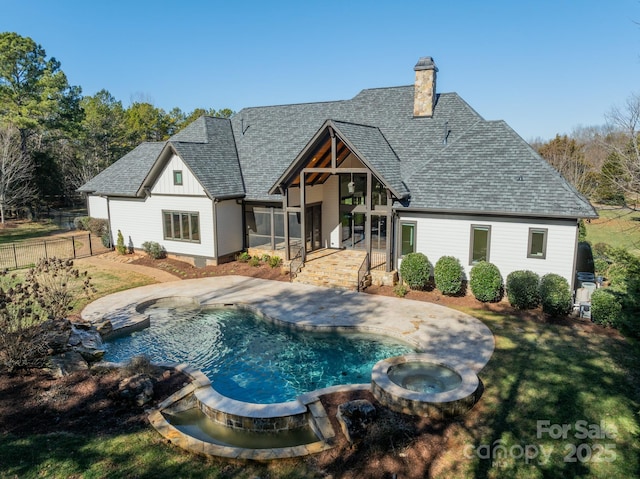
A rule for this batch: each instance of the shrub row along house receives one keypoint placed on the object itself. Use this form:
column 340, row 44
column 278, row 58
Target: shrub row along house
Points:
column 391, row 171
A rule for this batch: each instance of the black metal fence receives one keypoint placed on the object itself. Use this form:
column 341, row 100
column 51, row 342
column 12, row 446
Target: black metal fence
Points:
column 24, row 255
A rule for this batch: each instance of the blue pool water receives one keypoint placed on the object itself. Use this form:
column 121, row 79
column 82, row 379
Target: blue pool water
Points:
column 252, row 360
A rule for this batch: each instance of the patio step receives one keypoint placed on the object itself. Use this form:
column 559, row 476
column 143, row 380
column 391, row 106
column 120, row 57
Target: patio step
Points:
column 332, row 269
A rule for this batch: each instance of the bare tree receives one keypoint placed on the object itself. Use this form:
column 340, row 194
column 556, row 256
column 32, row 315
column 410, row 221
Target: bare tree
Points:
column 16, row 172
column 566, row 155
column 625, row 146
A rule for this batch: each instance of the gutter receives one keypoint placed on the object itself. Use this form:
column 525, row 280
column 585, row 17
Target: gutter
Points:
column 491, row 213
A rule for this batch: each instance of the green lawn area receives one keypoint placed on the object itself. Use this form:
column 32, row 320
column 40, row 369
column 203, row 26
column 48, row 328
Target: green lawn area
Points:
column 16, row 231
column 562, row 376
column 619, row 227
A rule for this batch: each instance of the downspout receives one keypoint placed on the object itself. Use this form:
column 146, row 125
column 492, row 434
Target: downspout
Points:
column 109, row 221
column 215, row 229
column 575, row 256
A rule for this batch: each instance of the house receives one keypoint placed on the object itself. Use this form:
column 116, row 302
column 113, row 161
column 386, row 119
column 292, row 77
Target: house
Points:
column 388, row 172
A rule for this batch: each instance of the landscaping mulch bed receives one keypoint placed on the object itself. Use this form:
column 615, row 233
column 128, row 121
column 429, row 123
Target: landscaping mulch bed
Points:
column 84, row 402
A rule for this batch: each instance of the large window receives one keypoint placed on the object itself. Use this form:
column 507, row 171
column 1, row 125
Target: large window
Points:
column 537, row 247
column 181, row 226
column 480, row 242
column 407, row 237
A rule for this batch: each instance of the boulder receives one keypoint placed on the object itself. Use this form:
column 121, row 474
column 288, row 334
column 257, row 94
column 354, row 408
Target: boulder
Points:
column 67, row 363
column 105, row 328
column 57, row 334
column 87, row 342
column 354, row 417
column 137, row 388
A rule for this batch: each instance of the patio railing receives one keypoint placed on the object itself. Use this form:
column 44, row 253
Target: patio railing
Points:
column 362, row 272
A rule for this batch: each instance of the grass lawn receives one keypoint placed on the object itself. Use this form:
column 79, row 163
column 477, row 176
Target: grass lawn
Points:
column 541, row 378
column 15, row 231
column 619, row 227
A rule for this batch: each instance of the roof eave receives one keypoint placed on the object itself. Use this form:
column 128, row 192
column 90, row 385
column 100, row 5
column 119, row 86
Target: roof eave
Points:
column 495, row 213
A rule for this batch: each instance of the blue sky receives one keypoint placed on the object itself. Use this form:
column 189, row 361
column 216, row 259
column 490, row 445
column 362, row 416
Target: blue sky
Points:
column 544, row 66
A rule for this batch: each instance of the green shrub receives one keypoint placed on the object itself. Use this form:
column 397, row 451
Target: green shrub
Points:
column 254, row 261
column 244, row 257
column 120, row 247
column 400, row 290
column 275, row 261
column 605, row 308
column 154, row 249
column 415, row 270
column 106, row 240
column 523, row 289
column 265, row 258
column 601, row 265
column 447, row 274
column 555, row 294
column 485, row 281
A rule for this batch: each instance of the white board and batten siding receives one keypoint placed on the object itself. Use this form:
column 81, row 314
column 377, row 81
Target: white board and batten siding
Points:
column 164, row 184
column 440, row 235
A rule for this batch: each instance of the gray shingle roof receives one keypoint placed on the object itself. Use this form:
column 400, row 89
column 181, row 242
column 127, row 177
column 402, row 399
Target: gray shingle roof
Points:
column 214, row 161
column 369, row 143
column 206, row 146
column 476, row 170
column 492, row 170
column 275, row 135
column 125, row 176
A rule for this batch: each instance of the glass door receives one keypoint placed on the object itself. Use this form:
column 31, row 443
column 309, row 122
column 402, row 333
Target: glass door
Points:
column 313, row 220
column 353, row 189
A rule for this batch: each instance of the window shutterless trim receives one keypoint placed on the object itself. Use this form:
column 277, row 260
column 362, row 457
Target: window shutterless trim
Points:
column 487, row 228
column 182, row 235
column 413, row 224
column 178, row 179
column 545, row 233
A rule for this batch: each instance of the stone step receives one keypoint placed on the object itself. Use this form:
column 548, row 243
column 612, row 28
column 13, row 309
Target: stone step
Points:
column 332, row 268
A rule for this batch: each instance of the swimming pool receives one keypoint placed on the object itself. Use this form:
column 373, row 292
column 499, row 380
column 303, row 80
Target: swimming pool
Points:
column 253, row 360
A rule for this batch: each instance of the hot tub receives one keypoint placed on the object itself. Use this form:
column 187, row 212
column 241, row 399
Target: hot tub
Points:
column 420, row 385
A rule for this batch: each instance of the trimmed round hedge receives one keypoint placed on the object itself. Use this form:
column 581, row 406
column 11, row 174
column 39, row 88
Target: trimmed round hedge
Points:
column 605, row 308
column 415, row 270
column 485, row 281
column 555, row 294
column 523, row 289
column 447, row 274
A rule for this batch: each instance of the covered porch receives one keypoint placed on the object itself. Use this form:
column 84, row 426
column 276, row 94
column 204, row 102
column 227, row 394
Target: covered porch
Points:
column 336, row 196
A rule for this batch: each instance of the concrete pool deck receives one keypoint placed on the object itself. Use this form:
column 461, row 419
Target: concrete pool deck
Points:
column 436, row 330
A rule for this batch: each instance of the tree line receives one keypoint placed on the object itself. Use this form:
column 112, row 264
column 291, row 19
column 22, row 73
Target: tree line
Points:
column 53, row 139
column 603, row 162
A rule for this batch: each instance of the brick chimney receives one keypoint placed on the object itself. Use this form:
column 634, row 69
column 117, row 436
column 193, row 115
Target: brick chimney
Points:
column 424, row 95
